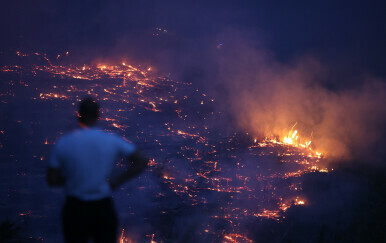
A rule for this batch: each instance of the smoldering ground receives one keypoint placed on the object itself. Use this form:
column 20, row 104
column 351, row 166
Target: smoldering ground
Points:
column 263, row 96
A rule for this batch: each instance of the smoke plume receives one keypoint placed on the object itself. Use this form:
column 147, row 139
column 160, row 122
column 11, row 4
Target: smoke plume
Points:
column 267, row 97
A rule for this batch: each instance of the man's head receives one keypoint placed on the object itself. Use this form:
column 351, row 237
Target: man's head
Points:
column 88, row 113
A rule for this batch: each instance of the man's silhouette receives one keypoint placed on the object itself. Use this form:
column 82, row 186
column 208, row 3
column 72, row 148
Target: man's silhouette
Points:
column 82, row 162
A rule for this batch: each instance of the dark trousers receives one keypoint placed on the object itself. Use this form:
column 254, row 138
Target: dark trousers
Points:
column 84, row 220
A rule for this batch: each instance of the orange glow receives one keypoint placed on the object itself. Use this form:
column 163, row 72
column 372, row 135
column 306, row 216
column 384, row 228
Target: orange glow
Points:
column 292, row 138
column 299, row 201
column 236, row 238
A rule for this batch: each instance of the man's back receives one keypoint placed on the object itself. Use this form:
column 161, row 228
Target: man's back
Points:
column 82, row 162
column 86, row 158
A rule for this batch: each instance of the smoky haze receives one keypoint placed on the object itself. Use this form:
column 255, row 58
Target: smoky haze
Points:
column 266, row 98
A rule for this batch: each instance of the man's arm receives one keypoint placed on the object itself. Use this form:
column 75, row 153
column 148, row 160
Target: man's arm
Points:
column 138, row 164
column 54, row 177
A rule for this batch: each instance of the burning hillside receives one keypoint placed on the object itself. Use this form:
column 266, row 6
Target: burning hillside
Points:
column 204, row 181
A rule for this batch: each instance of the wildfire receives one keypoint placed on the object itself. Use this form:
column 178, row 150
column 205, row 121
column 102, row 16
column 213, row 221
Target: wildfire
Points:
column 126, row 239
column 299, row 202
column 190, row 158
column 236, row 238
column 292, row 138
column 269, row 214
column 52, row 95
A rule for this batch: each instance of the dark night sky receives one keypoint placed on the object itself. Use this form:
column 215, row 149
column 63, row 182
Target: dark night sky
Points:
column 349, row 35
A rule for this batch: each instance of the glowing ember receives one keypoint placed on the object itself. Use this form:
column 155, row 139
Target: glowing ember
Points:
column 236, row 238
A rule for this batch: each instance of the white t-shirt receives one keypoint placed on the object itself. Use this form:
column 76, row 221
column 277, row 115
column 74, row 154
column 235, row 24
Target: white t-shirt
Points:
column 86, row 158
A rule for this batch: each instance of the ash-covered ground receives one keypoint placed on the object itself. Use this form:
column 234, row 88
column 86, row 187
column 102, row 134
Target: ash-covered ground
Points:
column 208, row 180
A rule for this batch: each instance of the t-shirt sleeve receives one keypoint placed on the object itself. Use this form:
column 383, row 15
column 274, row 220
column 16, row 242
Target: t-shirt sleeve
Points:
column 125, row 148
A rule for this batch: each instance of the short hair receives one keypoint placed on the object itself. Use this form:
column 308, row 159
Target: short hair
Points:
column 88, row 112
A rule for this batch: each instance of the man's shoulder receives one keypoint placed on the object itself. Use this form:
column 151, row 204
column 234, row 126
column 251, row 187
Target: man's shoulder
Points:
column 95, row 134
column 101, row 133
